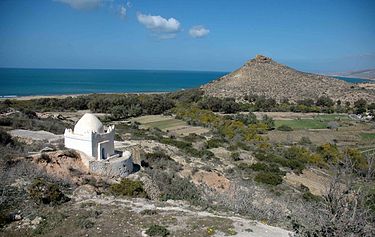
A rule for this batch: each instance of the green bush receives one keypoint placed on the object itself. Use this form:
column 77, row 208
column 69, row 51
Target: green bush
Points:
column 174, row 187
column 272, row 168
column 5, row 138
column 308, row 196
column 268, row 178
column 214, row 143
column 149, row 212
column 46, row 192
column 305, row 141
column 128, row 188
column 161, row 161
column 235, row 156
column 260, row 166
column 285, row 128
column 157, row 230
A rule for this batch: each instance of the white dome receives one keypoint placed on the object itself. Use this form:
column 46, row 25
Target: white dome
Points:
column 88, row 123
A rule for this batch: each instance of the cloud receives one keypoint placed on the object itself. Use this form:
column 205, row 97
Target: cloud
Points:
column 198, row 31
column 82, row 4
column 123, row 11
column 159, row 24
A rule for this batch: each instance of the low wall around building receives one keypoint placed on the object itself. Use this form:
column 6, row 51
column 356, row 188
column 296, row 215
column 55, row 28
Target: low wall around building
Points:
column 120, row 167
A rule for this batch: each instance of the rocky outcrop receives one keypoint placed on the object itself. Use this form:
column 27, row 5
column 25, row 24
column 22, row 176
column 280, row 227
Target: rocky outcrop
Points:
column 264, row 77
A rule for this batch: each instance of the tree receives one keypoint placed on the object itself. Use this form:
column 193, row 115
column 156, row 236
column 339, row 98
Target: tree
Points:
column 324, row 101
column 345, row 209
column 361, row 106
column 268, row 121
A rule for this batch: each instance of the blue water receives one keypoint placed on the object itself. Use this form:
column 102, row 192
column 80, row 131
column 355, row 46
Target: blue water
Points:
column 23, row 82
column 353, row 80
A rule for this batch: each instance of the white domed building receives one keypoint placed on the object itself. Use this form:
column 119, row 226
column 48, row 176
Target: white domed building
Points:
column 96, row 141
column 91, row 137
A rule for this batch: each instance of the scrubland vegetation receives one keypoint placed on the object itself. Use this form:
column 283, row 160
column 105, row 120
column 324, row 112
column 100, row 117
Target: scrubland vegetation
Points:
column 255, row 166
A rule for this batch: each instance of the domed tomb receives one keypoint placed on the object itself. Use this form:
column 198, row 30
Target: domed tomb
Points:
column 91, row 137
column 88, row 123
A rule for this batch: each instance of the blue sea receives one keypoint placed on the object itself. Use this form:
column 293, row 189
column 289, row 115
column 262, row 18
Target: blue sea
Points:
column 24, row 82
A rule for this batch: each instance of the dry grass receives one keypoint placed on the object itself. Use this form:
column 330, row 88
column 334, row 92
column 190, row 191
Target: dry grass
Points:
column 169, row 124
column 316, row 181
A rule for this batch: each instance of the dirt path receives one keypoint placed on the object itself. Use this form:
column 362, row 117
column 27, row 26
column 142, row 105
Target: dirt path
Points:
column 243, row 227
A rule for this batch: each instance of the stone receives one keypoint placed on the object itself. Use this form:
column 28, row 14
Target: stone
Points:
column 47, row 149
column 85, row 190
column 15, row 217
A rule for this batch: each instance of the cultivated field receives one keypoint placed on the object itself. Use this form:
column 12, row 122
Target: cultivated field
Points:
column 314, row 127
column 169, row 124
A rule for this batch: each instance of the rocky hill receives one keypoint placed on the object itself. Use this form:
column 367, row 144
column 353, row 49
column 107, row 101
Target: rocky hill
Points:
column 265, row 77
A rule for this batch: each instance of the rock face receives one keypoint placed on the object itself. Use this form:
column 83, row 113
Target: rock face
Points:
column 264, row 77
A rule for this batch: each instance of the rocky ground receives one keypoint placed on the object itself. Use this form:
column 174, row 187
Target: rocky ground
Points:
column 90, row 214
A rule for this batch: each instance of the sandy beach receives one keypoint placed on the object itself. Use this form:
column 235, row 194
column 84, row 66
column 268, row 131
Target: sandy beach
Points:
column 32, row 97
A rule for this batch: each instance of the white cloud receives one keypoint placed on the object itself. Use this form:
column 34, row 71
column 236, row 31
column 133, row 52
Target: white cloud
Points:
column 159, row 24
column 198, row 31
column 82, row 4
column 123, row 11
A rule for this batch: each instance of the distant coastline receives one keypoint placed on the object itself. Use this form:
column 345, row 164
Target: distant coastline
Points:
column 33, row 97
column 53, row 82
column 59, row 83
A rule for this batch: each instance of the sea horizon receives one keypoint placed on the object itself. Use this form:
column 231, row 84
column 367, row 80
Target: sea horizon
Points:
column 19, row 82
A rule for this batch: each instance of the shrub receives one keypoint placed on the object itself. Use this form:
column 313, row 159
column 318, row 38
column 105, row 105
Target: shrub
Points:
column 272, row 168
column 161, row 161
column 308, row 196
column 46, row 192
column 285, row 128
column 157, row 230
column 85, row 223
column 268, row 121
column 361, row 106
column 213, row 143
column 128, row 188
column 329, row 152
column 5, row 138
column 268, row 178
column 174, row 187
column 149, row 212
column 235, row 156
column 325, row 101
column 260, row 166
column 294, row 164
column 305, row 141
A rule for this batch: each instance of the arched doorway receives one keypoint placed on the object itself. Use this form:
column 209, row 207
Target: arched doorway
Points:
column 103, row 154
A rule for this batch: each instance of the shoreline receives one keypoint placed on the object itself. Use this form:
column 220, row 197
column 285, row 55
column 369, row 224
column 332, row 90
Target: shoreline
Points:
column 63, row 96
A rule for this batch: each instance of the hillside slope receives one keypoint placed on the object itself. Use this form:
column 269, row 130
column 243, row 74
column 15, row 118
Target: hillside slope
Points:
column 265, row 77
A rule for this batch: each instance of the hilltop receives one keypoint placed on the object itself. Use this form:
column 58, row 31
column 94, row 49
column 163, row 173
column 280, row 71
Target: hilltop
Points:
column 265, row 77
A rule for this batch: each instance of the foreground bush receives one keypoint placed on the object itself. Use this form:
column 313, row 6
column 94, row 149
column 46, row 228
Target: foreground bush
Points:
column 46, row 192
column 268, row 178
column 285, row 128
column 157, row 230
column 128, row 188
column 174, row 187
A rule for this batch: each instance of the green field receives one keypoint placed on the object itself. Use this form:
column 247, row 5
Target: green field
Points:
column 169, row 124
column 368, row 136
column 302, row 123
column 165, row 124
